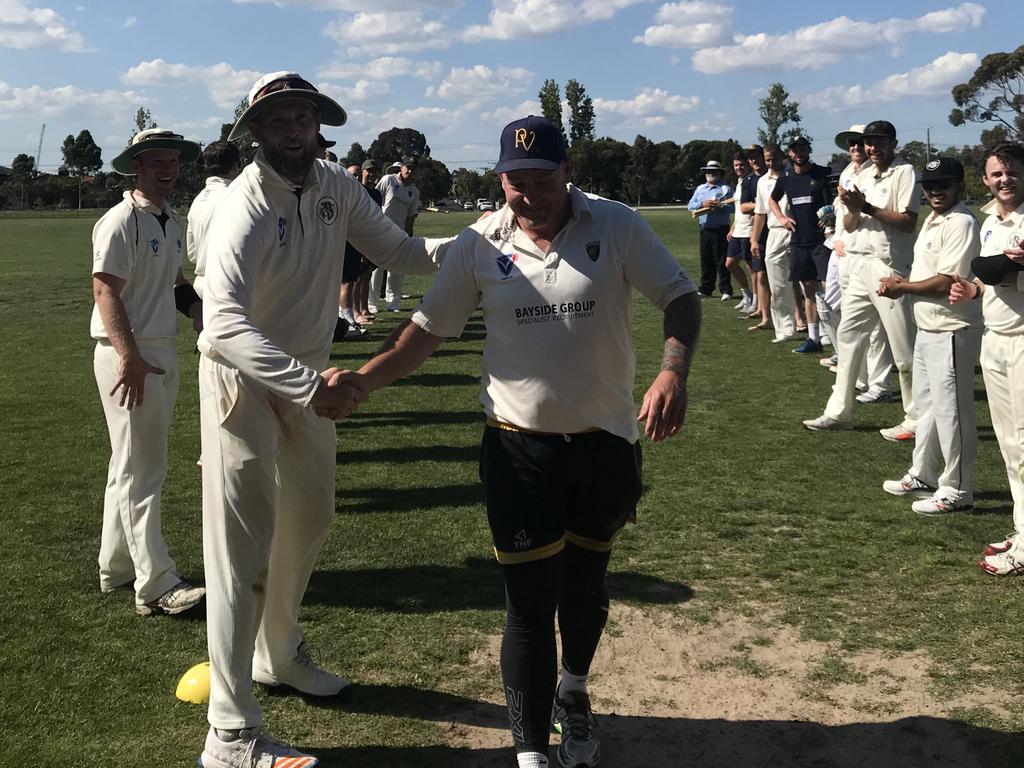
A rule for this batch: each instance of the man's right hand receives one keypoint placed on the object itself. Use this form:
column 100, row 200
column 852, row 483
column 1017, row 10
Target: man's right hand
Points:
column 962, row 290
column 131, row 380
column 338, row 394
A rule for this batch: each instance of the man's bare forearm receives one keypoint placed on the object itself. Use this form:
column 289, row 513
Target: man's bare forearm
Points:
column 402, row 352
column 682, row 329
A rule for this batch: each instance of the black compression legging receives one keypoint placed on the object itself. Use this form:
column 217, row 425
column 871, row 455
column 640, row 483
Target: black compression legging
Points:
column 573, row 584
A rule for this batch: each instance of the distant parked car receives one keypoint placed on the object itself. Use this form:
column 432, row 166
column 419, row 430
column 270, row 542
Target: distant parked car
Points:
column 467, row 206
column 482, row 204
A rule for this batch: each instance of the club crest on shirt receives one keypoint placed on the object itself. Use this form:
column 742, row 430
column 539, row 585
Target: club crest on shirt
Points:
column 986, row 236
column 280, row 230
column 327, row 210
column 506, row 263
column 1013, row 242
column 155, row 245
column 594, row 249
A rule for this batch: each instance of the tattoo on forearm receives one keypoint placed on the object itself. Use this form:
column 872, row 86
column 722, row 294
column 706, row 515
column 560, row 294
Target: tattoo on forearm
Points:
column 676, row 358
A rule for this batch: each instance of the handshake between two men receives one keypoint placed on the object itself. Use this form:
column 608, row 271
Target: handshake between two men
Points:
column 338, row 394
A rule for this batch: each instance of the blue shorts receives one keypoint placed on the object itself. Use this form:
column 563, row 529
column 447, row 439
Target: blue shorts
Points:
column 808, row 262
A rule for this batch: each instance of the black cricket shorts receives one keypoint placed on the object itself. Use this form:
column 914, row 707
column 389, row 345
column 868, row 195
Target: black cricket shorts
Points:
column 543, row 490
column 808, row 262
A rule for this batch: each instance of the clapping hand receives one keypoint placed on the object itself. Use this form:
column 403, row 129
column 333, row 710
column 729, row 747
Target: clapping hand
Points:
column 962, row 290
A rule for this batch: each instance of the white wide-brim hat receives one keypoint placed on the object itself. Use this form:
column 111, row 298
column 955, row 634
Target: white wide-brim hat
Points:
column 154, row 138
column 712, row 165
column 276, row 86
column 843, row 137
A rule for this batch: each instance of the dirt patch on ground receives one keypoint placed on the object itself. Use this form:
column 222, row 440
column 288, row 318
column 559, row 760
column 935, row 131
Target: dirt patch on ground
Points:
column 741, row 693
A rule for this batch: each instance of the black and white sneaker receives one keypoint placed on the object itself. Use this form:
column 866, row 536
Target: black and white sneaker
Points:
column 572, row 717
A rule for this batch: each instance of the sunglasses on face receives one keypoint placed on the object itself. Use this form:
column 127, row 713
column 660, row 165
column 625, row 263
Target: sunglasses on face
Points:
column 857, row 143
column 936, row 186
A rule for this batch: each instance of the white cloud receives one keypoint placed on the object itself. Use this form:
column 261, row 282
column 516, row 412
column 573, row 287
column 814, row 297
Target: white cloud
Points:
column 130, row 22
column 352, row 6
column 360, row 91
column 716, row 124
column 818, row 45
column 382, row 68
column 933, row 79
column 35, row 101
column 692, row 24
column 23, row 27
column 513, row 19
column 388, row 33
column 225, row 84
column 481, row 84
column 651, row 106
column 502, row 116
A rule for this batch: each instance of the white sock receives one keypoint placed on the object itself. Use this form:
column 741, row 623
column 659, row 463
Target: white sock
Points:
column 571, row 683
column 347, row 314
column 812, row 332
column 532, row 760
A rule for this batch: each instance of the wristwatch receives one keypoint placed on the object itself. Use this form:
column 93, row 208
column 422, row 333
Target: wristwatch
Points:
column 868, row 209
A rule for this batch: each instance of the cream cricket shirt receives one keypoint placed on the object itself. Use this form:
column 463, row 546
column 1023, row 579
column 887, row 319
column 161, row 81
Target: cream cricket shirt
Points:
column 1003, row 305
column 847, row 179
column 895, row 189
column 274, row 256
column 558, row 355
column 199, row 215
column 400, row 201
column 765, row 185
column 946, row 245
column 743, row 223
column 128, row 242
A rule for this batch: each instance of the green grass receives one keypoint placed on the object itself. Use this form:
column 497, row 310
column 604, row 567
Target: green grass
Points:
column 745, row 512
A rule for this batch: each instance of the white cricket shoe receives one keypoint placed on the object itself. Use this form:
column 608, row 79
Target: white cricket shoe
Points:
column 1002, row 564
column 908, row 485
column 898, row 434
column 826, row 424
column 177, row 599
column 941, row 505
column 252, row 749
column 303, row 675
column 1000, row 546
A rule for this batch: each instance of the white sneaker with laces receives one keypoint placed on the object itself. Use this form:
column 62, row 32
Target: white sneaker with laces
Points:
column 303, row 675
column 897, row 434
column 1000, row 546
column 252, row 749
column 875, row 395
column 1002, row 564
column 826, row 424
column 941, row 505
column 177, row 599
column 908, row 485
column 726, row 297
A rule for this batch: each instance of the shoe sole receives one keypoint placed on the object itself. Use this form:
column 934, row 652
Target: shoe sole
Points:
column 145, row 610
column 834, row 428
column 284, row 689
column 584, row 764
column 214, row 763
column 900, row 439
column 943, row 513
column 921, row 493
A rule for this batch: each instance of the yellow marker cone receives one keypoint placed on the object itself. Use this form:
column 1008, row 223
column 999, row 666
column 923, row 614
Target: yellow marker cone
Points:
column 194, row 686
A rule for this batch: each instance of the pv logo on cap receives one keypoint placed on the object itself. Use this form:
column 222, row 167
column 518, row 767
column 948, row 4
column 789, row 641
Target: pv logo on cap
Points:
column 524, row 139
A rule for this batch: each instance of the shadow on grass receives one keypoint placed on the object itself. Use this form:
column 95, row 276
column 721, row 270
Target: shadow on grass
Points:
column 405, row 499
column 361, row 419
column 475, row 585
column 410, row 454
column 438, row 380
column 664, row 742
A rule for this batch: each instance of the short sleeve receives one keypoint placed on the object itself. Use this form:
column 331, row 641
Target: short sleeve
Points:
column 113, row 251
column 455, row 292
column 651, row 268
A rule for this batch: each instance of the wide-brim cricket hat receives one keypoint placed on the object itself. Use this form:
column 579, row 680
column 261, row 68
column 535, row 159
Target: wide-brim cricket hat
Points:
column 712, row 165
column 843, row 137
column 276, row 86
column 531, row 144
column 154, row 138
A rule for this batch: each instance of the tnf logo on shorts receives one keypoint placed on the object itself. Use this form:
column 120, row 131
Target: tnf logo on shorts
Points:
column 155, row 245
column 523, row 540
column 524, row 139
column 327, row 210
column 506, row 263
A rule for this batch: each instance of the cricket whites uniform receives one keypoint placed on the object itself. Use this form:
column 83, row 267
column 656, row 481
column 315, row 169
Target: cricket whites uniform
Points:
column 776, row 260
column 400, row 202
column 875, row 252
column 200, row 213
column 1002, row 357
column 129, row 243
column 946, row 350
column 273, row 271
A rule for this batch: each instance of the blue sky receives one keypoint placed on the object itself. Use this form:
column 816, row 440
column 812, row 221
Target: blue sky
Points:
column 458, row 70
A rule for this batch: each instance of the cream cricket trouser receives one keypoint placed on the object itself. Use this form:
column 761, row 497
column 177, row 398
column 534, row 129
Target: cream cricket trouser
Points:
column 268, row 503
column 862, row 309
column 947, row 435
column 874, row 372
column 131, row 544
column 1002, row 363
column 776, row 266
column 376, row 280
column 393, row 288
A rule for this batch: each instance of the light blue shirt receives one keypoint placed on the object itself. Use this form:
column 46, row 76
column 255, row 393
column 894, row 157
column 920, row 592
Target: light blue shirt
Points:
column 719, row 217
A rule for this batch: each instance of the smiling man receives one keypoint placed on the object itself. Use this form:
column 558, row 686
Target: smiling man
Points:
column 553, row 271
column 137, row 283
column 275, row 254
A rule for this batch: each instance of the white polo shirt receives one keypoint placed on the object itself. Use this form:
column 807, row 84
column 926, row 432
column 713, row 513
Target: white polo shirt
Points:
column 847, row 180
column 400, row 201
column 558, row 356
column 946, row 245
column 1003, row 305
column 274, row 256
column 743, row 223
column 128, row 242
column 765, row 185
column 895, row 189
column 199, row 215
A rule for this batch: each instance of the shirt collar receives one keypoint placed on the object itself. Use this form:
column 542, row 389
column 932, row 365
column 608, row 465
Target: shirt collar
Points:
column 136, row 200
column 268, row 173
column 990, row 209
column 217, row 181
column 935, row 218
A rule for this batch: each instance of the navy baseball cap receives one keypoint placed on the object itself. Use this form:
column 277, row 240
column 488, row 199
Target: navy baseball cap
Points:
column 880, row 128
column 531, row 143
column 943, row 169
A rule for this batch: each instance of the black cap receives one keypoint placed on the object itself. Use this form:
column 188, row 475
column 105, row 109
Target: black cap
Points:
column 370, row 165
column 797, row 141
column 409, row 162
column 530, row 143
column 880, row 128
column 943, row 169
column 325, row 143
